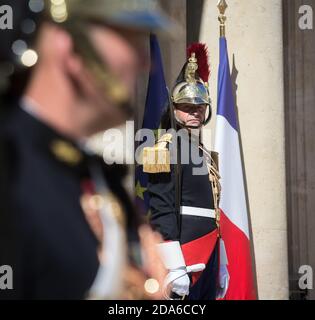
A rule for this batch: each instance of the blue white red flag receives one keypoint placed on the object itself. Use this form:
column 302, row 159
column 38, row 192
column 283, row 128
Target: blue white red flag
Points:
column 233, row 206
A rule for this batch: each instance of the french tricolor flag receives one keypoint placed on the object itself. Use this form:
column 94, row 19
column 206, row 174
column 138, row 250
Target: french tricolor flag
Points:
column 234, row 214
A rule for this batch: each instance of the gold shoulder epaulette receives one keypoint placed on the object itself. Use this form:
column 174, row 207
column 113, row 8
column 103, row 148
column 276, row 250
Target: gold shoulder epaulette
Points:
column 156, row 159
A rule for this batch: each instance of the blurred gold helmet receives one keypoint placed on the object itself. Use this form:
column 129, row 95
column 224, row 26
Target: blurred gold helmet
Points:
column 75, row 16
column 139, row 14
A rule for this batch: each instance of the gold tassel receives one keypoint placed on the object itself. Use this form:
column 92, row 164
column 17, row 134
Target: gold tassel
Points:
column 215, row 158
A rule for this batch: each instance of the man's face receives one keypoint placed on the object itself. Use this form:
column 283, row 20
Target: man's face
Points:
column 191, row 114
column 124, row 56
column 123, row 52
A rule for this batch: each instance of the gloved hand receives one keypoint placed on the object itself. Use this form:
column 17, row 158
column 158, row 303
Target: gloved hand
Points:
column 173, row 259
column 179, row 281
column 224, row 279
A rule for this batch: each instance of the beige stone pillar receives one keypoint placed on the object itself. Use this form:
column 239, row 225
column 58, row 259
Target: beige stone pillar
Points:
column 254, row 35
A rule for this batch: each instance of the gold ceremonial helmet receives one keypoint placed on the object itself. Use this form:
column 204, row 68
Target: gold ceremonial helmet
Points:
column 192, row 83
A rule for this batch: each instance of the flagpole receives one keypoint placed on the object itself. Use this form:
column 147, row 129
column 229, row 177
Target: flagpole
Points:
column 222, row 6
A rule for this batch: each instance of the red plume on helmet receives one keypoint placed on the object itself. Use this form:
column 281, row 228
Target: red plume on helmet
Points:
column 201, row 52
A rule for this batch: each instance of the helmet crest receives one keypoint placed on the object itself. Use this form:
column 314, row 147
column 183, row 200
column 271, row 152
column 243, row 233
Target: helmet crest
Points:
column 200, row 51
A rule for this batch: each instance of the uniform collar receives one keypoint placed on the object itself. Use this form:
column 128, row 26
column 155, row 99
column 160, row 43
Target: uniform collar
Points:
column 36, row 136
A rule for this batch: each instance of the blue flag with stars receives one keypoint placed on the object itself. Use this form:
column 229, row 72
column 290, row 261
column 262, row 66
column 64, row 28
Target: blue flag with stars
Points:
column 157, row 98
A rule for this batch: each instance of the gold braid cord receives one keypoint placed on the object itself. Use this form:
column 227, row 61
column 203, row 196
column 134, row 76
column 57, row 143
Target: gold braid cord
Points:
column 214, row 178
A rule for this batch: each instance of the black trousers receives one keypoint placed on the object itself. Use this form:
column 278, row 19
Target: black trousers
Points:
column 206, row 286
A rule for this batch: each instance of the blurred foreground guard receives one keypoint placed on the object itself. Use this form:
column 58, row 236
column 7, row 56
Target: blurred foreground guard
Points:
column 185, row 193
column 68, row 228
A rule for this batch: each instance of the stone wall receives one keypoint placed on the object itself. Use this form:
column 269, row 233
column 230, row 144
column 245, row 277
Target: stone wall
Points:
column 254, row 35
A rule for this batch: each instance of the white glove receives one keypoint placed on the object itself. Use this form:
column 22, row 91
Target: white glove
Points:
column 224, row 279
column 179, row 280
column 173, row 259
column 224, row 276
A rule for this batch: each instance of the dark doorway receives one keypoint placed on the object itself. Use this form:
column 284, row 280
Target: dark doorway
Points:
column 299, row 74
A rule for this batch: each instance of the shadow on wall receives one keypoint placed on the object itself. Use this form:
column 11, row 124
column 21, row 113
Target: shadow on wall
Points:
column 193, row 19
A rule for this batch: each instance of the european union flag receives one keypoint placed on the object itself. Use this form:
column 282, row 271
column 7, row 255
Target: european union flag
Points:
column 157, row 98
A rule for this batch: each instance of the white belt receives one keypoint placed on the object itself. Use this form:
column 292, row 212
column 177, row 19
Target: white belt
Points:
column 199, row 212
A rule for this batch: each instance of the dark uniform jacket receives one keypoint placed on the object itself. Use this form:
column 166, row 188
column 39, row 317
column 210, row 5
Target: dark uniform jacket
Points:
column 197, row 234
column 50, row 245
column 196, row 191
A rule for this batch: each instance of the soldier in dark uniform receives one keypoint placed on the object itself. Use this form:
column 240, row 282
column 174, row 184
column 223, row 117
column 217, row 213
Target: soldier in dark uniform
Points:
column 65, row 216
column 184, row 197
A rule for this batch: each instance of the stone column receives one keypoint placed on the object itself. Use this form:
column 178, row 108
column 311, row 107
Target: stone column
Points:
column 254, row 35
